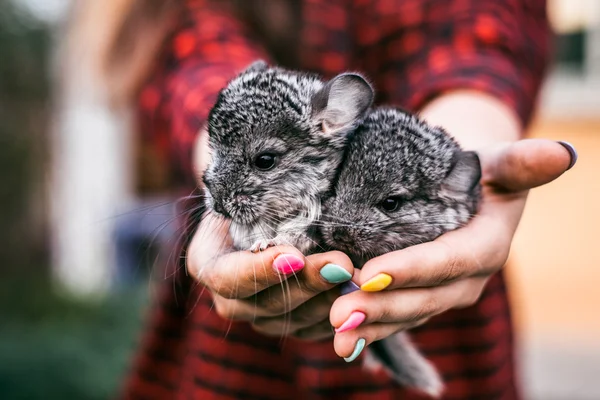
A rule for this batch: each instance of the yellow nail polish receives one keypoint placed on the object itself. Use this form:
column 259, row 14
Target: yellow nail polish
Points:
column 377, row 283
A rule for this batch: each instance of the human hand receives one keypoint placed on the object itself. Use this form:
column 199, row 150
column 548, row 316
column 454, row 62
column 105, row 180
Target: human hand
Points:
column 412, row 285
column 279, row 291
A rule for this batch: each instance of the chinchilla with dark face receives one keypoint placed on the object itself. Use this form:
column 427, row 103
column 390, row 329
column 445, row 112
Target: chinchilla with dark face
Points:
column 403, row 182
column 277, row 138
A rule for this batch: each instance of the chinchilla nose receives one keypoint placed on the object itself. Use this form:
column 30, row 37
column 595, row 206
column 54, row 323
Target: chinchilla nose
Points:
column 242, row 198
column 342, row 236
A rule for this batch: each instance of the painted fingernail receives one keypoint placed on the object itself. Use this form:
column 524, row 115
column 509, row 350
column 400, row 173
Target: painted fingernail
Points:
column 333, row 273
column 360, row 345
column 288, row 263
column 376, row 283
column 354, row 320
column 572, row 152
column 349, row 287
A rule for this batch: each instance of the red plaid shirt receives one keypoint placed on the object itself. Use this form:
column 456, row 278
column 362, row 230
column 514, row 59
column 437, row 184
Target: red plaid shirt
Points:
column 413, row 51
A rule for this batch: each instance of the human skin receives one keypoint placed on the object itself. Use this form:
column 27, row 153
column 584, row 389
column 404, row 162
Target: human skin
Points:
column 426, row 279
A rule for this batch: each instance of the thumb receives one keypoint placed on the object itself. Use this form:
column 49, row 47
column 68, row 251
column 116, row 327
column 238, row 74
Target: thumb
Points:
column 201, row 156
column 526, row 164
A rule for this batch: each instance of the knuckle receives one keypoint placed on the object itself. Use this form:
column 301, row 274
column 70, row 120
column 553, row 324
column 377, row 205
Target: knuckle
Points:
column 385, row 315
column 302, row 316
column 210, row 279
column 471, row 300
column 428, row 307
column 225, row 292
column 273, row 326
column 268, row 305
column 260, row 301
column 192, row 268
column 472, row 294
column 499, row 258
column 263, row 324
column 420, row 322
column 196, row 271
column 223, row 309
column 317, row 332
column 467, row 301
column 312, row 284
column 453, row 268
column 340, row 258
column 263, row 329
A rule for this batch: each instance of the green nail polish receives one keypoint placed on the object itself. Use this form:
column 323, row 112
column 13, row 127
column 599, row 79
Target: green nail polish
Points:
column 360, row 345
column 335, row 274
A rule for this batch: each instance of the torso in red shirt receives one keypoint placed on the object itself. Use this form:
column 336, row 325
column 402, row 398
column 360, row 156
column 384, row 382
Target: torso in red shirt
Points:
column 413, row 50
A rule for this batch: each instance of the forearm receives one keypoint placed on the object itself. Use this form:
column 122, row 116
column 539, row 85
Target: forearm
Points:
column 474, row 118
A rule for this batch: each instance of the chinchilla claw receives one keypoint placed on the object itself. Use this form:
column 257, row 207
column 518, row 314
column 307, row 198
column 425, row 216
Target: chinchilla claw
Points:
column 261, row 245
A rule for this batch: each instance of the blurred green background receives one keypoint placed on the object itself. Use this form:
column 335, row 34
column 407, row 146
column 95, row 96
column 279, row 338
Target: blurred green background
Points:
column 51, row 346
column 55, row 348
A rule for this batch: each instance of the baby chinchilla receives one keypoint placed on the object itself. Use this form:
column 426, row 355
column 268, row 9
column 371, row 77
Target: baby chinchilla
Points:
column 402, row 183
column 277, row 138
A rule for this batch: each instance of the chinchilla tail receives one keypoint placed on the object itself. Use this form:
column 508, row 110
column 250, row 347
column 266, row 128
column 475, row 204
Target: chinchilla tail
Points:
column 401, row 359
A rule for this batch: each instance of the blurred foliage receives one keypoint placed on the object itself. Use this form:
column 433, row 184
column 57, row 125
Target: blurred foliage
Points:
column 51, row 347
column 24, row 105
column 55, row 348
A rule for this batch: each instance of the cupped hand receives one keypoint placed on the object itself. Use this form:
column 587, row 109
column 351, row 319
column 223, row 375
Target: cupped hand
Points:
column 405, row 288
column 279, row 290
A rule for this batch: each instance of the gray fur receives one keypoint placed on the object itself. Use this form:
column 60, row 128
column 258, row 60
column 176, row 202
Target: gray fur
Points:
column 308, row 122
column 394, row 154
column 301, row 119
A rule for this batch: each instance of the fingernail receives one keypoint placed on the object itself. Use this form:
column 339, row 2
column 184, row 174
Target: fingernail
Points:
column 377, row 283
column 360, row 345
column 354, row 320
column 349, row 287
column 333, row 273
column 288, row 263
column 572, row 152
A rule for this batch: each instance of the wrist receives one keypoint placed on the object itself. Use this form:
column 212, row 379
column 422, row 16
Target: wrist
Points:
column 475, row 119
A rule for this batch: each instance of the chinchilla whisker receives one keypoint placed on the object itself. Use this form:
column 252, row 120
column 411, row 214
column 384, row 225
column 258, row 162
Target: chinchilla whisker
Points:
column 173, row 243
column 285, row 292
column 168, row 241
column 147, row 209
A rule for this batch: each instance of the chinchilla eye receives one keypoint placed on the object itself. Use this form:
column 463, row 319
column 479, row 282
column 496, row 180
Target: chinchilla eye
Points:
column 265, row 161
column 390, row 204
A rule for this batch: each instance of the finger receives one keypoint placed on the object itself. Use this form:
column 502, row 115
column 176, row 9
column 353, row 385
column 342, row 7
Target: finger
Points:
column 407, row 306
column 322, row 272
column 351, row 344
column 320, row 331
column 526, row 164
column 238, row 274
column 313, row 311
column 210, row 240
column 201, row 155
column 234, row 309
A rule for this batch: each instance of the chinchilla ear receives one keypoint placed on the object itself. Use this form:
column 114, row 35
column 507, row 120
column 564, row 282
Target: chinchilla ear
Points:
column 465, row 175
column 341, row 102
column 257, row 66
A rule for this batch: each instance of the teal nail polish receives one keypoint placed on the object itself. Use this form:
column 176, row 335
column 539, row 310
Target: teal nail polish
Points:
column 335, row 274
column 360, row 345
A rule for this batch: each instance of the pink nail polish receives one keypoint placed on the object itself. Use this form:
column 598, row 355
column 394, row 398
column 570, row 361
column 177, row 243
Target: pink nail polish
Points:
column 288, row 263
column 354, row 320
